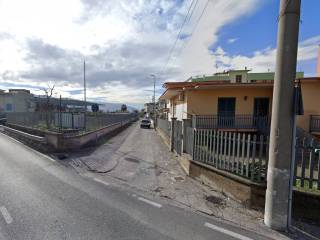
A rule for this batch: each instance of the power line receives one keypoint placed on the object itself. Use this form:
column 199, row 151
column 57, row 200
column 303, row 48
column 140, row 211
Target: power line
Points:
column 192, row 11
column 198, row 20
column 178, row 36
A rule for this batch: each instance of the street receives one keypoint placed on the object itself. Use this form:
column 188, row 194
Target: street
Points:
column 41, row 198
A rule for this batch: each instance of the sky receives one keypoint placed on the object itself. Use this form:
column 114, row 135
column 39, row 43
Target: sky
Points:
column 124, row 42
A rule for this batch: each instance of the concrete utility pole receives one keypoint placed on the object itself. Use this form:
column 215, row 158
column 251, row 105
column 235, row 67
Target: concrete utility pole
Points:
column 154, row 96
column 282, row 124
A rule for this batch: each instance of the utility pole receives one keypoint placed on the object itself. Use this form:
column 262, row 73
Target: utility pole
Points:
column 282, row 124
column 154, row 96
column 85, row 94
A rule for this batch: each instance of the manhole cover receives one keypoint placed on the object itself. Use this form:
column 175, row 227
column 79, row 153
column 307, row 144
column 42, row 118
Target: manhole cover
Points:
column 215, row 200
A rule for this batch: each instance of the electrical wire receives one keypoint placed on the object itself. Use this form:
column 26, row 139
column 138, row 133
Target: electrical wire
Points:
column 178, row 36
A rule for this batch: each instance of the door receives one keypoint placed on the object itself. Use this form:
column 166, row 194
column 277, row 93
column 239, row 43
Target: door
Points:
column 226, row 112
column 261, row 113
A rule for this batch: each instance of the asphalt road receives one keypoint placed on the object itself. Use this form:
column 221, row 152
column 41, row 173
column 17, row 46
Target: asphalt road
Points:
column 43, row 199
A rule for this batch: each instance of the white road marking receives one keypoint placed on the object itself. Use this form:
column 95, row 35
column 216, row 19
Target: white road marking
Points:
column 100, row 181
column 150, row 202
column 227, row 232
column 6, row 214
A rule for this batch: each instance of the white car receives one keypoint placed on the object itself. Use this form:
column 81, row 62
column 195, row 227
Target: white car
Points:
column 145, row 123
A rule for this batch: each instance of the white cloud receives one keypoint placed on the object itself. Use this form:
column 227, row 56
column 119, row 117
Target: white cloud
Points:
column 232, row 40
column 265, row 59
column 123, row 41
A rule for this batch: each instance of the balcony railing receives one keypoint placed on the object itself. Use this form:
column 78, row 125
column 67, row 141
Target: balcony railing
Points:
column 314, row 123
column 239, row 121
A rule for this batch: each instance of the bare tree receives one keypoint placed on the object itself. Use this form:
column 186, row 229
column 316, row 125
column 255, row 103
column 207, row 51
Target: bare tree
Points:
column 48, row 92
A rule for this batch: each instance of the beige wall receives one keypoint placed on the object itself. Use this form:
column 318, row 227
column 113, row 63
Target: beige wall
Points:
column 206, row 101
column 311, row 103
column 180, row 108
column 21, row 102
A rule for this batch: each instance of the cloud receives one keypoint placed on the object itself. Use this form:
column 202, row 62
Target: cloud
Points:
column 123, row 42
column 265, row 59
column 232, row 40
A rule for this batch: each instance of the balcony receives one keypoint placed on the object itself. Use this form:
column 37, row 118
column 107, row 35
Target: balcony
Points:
column 239, row 122
column 314, row 123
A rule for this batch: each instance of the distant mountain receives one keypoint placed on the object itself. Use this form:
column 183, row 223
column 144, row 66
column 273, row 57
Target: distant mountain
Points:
column 111, row 107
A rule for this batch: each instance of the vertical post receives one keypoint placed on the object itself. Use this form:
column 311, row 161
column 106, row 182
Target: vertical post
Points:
column 280, row 150
column 60, row 116
column 185, row 124
column 85, row 95
column 173, row 125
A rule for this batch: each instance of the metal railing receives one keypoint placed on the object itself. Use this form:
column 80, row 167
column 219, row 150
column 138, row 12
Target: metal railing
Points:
column 238, row 121
column 314, row 123
column 307, row 164
column 239, row 153
column 246, row 155
column 67, row 121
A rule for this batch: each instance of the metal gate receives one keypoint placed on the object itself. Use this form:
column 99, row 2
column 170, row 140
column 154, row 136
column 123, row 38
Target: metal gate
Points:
column 177, row 137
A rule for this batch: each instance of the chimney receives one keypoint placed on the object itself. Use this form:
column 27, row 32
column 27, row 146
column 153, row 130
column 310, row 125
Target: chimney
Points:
column 318, row 63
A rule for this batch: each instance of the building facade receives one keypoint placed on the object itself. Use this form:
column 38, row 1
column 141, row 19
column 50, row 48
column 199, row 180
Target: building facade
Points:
column 16, row 100
column 237, row 100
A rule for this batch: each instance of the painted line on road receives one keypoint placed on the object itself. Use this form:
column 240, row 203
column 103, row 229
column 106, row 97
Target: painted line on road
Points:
column 227, row 232
column 6, row 214
column 150, row 202
column 100, row 181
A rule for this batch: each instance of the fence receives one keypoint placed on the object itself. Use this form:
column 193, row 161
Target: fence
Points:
column 100, row 120
column 307, row 165
column 246, row 155
column 314, row 123
column 165, row 126
column 69, row 120
column 54, row 121
column 239, row 121
column 239, row 153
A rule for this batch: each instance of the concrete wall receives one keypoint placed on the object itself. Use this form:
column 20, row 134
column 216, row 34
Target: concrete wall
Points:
column 206, row 101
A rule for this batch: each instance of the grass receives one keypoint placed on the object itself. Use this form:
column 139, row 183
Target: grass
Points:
column 306, row 187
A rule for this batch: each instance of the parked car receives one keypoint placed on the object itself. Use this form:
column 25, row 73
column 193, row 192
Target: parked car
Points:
column 145, row 123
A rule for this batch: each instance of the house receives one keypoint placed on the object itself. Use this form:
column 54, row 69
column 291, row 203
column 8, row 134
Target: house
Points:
column 16, row 100
column 149, row 108
column 237, row 100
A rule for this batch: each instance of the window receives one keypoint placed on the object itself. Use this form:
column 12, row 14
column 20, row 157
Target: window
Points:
column 9, row 107
column 238, row 78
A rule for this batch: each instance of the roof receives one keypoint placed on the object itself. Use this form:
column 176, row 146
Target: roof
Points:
column 174, row 88
column 251, row 76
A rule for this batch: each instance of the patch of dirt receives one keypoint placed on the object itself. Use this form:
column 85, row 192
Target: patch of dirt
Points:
column 215, row 200
column 178, row 179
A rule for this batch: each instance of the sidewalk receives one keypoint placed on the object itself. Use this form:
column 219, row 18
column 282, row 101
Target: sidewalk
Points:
column 139, row 158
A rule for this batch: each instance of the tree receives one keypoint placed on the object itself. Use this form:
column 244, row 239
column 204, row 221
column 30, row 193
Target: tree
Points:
column 48, row 92
column 123, row 108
